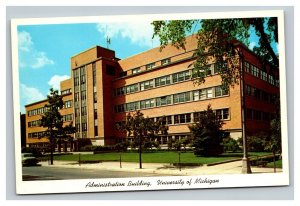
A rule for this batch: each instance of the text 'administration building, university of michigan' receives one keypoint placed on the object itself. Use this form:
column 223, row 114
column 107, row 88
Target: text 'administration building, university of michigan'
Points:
column 103, row 89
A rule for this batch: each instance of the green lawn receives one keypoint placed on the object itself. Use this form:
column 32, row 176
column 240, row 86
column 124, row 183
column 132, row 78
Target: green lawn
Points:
column 154, row 157
column 278, row 164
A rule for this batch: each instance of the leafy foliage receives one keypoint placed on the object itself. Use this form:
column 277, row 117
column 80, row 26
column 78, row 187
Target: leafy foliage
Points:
column 217, row 42
column 53, row 121
column 230, row 145
column 142, row 129
column 207, row 134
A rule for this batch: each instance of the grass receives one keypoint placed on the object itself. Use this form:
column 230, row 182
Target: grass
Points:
column 278, row 164
column 154, row 157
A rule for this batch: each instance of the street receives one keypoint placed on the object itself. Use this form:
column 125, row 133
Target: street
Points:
column 56, row 173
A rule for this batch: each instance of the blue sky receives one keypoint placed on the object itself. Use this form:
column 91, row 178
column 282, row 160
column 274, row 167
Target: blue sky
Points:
column 45, row 51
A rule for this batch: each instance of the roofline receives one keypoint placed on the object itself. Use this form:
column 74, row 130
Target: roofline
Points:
column 27, row 105
column 91, row 49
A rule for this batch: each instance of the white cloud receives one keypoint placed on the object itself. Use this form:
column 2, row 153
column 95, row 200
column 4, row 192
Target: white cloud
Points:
column 41, row 60
column 139, row 33
column 29, row 95
column 29, row 56
column 252, row 45
column 24, row 41
column 54, row 82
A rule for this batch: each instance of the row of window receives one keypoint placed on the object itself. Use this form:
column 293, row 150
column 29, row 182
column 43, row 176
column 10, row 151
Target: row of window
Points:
column 42, row 110
column 255, row 71
column 67, row 91
column 202, row 94
column 259, row 94
column 83, row 127
column 68, row 104
column 148, row 67
column 253, row 114
column 37, row 134
column 37, row 111
column 35, row 123
column 83, row 111
column 68, row 117
column 222, row 114
column 162, row 81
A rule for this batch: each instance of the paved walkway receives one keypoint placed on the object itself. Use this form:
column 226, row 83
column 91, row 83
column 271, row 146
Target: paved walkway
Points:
column 162, row 168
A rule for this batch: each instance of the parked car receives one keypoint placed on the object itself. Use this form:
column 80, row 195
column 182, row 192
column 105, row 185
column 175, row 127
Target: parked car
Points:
column 29, row 159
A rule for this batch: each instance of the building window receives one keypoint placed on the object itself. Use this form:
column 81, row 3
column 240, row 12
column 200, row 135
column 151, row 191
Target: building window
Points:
column 132, row 88
column 83, row 95
column 95, row 97
column 68, row 117
column 67, row 104
column 161, row 81
column 150, row 66
column 77, row 126
column 136, row 70
column 182, row 118
column 166, row 120
column 247, row 67
column 254, row 71
column 197, row 116
column 181, row 76
column 119, row 91
column 146, row 85
column 83, row 110
column 196, row 95
column 132, row 106
column 161, row 101
column 96, row 130
column 166, row 61
column 120, row 108
column 271, row 80
column 67, row 91
column 76, row 97
column 77, row 112
column 264, row 76
column 147, row 103
column 94, row 74
column 76, row 81
column 182, row 97
column 84, row 127
column 95, row 114
column 222, row 114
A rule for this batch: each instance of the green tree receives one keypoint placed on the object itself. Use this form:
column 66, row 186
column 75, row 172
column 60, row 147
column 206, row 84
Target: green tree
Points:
column 142, row 129
column 273, row 143
column 207, row 134
column 53, row 121
column 217, row 42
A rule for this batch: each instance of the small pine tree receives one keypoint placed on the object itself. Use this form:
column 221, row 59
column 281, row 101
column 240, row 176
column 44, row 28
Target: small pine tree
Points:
column 207, row 134
column 53, row 121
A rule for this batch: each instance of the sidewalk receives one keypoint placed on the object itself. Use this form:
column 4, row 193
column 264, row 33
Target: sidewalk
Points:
column 162, row 168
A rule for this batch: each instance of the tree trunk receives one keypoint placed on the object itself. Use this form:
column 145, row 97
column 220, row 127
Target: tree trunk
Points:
column 51, row 150
column 274, row 160
column 140, row 152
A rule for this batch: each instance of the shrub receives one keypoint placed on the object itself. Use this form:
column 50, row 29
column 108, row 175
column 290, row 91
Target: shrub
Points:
column 230, row 145
column 122, row 146
column 256, row 143
column 82, row 142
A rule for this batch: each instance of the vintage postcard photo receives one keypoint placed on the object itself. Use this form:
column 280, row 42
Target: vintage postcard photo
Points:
column 150, row 102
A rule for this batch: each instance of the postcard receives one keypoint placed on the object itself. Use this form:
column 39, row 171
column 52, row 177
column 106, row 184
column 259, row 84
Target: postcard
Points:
column 150, row 102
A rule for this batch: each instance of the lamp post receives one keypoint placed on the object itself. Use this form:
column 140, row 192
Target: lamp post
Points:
column 245, row 160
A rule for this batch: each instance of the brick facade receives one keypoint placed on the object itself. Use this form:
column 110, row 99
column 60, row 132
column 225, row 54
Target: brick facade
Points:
column 102, row 84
